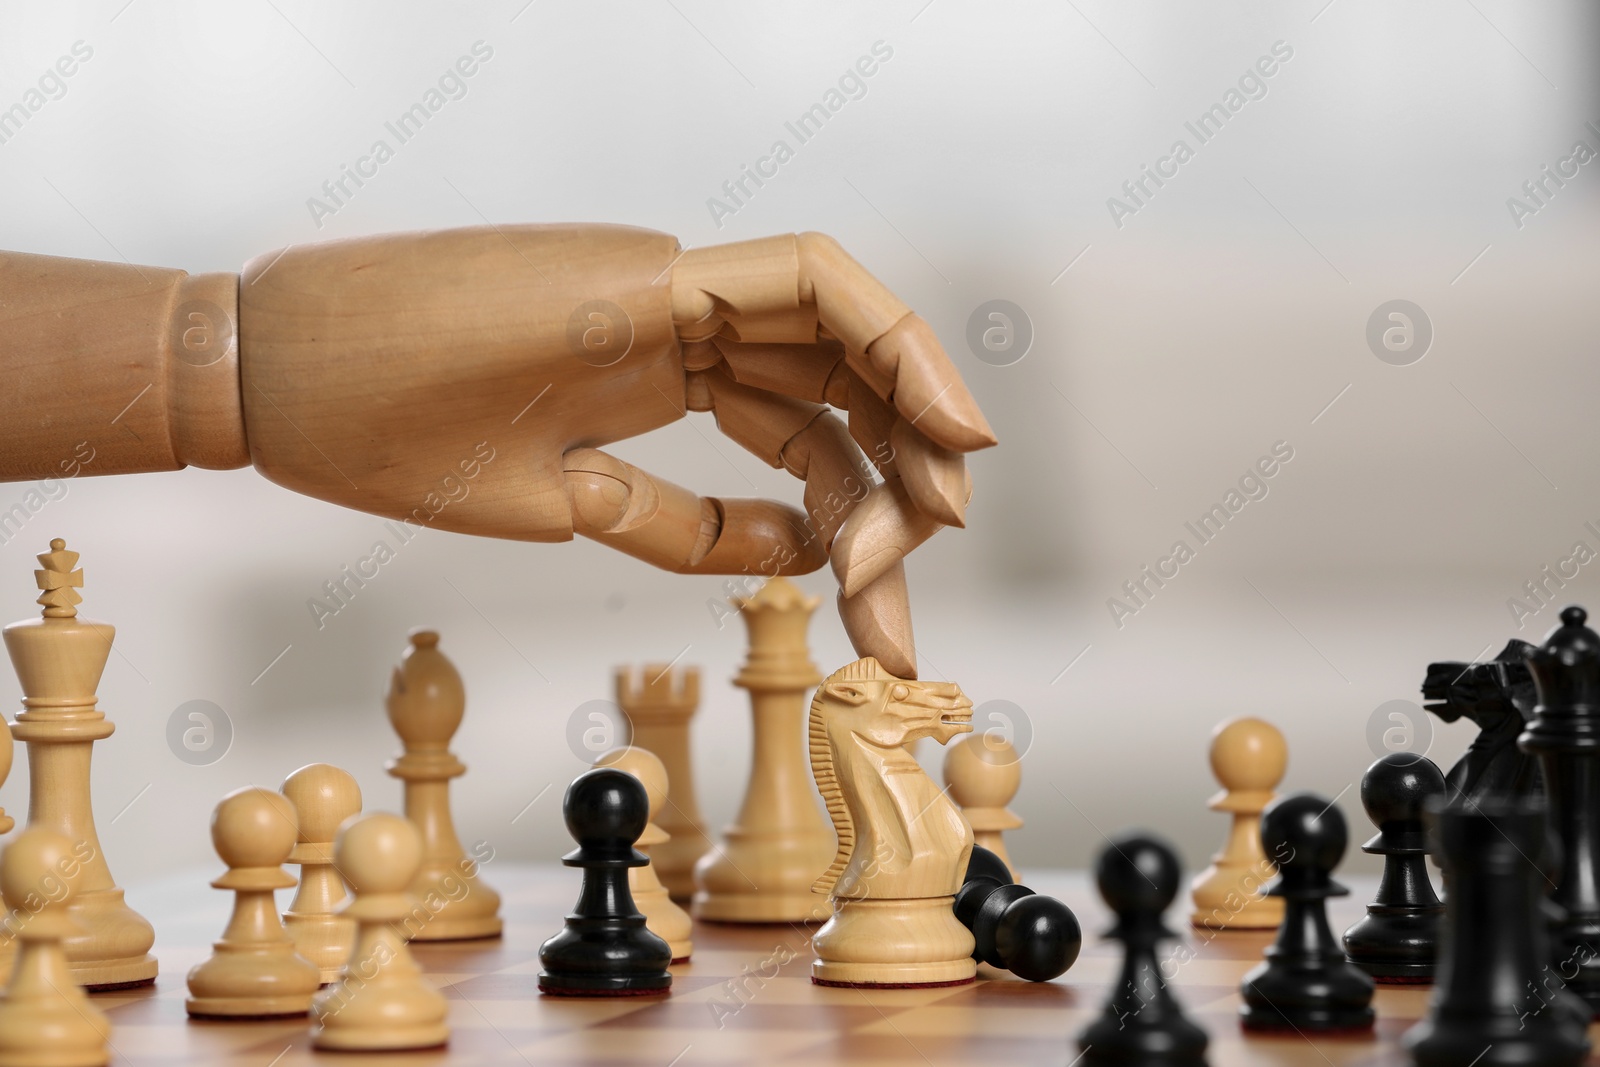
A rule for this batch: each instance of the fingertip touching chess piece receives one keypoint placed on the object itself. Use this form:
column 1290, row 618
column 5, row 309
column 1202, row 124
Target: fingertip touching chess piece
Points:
column 58, row 659
column 426, row 703
column 1305, row 983
column 1496, row 1002
column 604, row 949
column 44, row 1017
column 1248, row 758
column 381, row 1000
column 254, row 971
column 763, row 868
column 1142, row 1023
column 1397, row 941
column 984, row 772
column 1033, row 936
column 662, row 917
column 1563, row 733
column 903, row 845
column 324, row 797
column 660, row 701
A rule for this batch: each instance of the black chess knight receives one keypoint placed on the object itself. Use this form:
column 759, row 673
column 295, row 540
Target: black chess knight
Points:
column 1497, row 696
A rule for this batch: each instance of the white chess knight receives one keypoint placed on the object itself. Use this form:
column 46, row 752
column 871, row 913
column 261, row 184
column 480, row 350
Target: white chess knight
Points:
column 903, row 845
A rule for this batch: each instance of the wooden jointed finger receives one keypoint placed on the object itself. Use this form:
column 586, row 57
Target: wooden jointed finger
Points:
column 668, row 526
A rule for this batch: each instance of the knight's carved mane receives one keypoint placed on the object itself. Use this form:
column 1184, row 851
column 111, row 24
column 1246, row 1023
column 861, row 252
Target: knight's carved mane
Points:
column 827, row 776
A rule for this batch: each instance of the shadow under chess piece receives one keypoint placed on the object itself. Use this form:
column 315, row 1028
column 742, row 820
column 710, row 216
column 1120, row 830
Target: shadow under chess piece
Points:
column 1305, row 983
column 426, row 703
column 45, row 1019
column 1397, row 942
column 1035, row 937
column 59, row 659
column 604, row 949
column 662, row 917
column 324, row 797
column 763, row 868
column 1142, row 1024
column 1498, row 697
column 983, row 773
column 903, row 846
column 1248, row 758
column 381, row 1001
column 1496, row 1002
column 254, row 971
column 1565, row 735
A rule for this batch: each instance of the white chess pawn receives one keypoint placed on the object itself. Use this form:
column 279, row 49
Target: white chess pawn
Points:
column 1248, row 757
column 662, row 917
column 381, row 1000
column 44, row 1017
column 984, row 772
column 254, row 970
column 324, row 797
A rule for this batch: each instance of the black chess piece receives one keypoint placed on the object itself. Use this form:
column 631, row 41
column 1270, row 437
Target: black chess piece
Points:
column 1565, row 735
column 1497, row 1002
column 1142, row 1024
column 1397, row 941
column 1034, row 937
column 1305, row 983
column 1498, row 696
column 604, row 949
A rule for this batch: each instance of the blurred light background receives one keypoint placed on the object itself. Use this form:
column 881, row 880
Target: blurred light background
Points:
column 1175, row 340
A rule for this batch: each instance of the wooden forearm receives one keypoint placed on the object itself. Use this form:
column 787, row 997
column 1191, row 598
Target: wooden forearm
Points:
column 119, row 369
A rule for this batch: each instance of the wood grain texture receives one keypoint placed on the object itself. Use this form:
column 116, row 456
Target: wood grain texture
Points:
column 395, row 374
column 117, row 369
column 746, row 997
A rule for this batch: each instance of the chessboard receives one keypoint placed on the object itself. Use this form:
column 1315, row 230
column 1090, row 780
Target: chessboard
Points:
column 745, row 997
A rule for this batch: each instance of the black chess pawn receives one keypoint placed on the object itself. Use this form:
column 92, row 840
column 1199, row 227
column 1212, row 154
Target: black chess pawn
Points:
column 604, row 950
column 1565, row 735
column 1142, row 1024
column 1305, row 983
column 1397, row 941
column 1497, row 1002
column 1034, row 937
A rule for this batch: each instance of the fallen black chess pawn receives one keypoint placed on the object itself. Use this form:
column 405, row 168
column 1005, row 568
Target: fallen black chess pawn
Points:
column 1035, row 937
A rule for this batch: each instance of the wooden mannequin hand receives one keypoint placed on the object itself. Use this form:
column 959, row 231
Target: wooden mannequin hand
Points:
column 466, row 379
